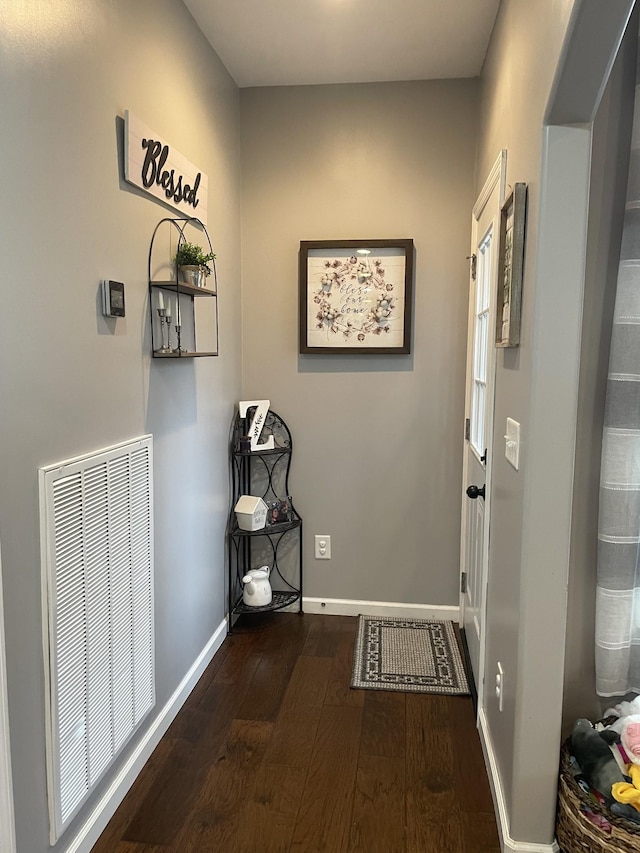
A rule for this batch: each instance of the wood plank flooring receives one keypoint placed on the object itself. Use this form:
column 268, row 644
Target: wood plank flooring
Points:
column 274, row 753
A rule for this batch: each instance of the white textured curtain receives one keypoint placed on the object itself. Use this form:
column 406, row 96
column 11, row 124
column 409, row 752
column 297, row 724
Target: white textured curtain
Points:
column 618, row 592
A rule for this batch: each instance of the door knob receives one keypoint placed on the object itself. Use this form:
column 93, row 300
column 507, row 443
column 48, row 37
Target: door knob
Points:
column 474, row 492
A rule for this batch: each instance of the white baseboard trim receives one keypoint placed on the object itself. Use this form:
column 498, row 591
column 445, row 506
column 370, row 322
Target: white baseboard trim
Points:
column 507, row 843
column 357, row 607
column 7, row 822
column 95, row 823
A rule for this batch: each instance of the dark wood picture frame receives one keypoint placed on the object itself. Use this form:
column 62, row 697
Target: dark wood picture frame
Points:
column 513, row 218
column 354, row 294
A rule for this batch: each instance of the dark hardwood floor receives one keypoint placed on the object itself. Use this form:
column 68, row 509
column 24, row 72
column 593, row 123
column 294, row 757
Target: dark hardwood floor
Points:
column 274, row 753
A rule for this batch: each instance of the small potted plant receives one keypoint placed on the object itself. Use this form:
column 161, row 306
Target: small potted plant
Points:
column 193, row 264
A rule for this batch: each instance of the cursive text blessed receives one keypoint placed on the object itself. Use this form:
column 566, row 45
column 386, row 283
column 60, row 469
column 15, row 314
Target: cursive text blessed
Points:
column 153, row 172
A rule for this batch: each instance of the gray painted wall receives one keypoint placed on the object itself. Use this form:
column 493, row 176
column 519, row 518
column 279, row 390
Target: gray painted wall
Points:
column 72, row 382
column 377, row 459
column 533, row 510
column 516, row 81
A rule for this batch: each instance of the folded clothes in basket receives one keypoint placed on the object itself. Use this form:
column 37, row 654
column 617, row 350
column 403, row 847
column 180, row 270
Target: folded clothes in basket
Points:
column 597, row 820
column 599, row 768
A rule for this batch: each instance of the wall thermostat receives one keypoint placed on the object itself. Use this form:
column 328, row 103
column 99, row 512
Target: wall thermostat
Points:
column 113, row 298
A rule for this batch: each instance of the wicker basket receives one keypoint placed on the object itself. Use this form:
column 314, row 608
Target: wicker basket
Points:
column 576, row 833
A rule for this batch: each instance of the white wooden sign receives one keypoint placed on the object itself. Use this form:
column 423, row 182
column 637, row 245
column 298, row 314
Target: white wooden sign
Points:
column 257, row 422
column 153, row 166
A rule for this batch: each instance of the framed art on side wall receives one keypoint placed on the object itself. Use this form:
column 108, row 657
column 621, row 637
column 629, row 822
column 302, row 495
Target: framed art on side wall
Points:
column 356, row 296
column 511, row 267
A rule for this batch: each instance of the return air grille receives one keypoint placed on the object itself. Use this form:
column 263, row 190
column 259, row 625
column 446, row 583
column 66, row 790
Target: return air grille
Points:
column 96, row 529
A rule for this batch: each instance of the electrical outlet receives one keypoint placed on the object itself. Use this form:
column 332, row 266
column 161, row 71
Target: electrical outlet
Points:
column 500, row 685
column 323, row 547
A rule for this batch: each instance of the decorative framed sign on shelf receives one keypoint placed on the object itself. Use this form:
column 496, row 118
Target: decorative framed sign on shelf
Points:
column 511, row 266
column 356, row 296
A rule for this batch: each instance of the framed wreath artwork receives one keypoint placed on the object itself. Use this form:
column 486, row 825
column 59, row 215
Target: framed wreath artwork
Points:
column 356, row 296
column 511, row 267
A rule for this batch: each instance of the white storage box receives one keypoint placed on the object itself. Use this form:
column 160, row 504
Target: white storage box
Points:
column 251, row 512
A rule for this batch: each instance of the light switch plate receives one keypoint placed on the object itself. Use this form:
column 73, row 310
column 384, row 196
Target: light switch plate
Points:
column 512, row 443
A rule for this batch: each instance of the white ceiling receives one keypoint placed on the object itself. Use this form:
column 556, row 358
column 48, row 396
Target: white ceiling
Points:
column 301, row 42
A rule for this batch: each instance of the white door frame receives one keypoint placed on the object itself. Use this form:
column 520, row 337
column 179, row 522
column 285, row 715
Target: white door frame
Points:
column 7, row 825
column 497, row 176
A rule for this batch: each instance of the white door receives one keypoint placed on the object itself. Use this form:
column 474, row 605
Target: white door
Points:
column 474, row 553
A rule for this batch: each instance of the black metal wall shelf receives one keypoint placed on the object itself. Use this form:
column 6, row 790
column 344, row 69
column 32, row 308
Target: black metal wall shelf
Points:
column 185, row 334
column 265, row 474
column 183, row 287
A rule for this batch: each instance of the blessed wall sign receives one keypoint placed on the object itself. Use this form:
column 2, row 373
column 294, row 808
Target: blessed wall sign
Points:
column 155, row 167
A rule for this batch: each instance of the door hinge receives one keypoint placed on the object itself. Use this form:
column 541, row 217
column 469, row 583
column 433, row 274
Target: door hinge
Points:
column 474, row 262
column 467, row 429
column 463, row 582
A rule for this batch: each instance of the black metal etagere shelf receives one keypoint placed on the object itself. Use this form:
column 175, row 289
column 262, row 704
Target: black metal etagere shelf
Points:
column 265, row 474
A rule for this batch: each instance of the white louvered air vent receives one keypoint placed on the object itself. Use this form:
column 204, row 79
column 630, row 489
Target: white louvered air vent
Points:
column 97, row 573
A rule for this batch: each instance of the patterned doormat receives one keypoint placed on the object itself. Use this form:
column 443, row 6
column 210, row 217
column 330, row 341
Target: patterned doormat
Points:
column 414, row 655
